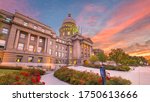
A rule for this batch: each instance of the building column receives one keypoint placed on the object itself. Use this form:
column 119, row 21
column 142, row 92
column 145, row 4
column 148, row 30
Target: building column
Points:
column 45, row 46
column 90, row 50
column 37, row 44
column 17, row 39
column 28, row 42
column 48, row 45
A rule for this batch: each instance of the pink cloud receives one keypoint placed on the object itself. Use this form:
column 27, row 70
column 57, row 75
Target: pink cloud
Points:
column 21, row 6
column 88, row 17
column 124, row 17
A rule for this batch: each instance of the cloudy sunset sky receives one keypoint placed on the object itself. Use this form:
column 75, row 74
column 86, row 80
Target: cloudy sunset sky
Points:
column 109, row 23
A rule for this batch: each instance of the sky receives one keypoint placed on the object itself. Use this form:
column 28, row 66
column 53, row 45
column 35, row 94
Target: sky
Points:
column 109, row 23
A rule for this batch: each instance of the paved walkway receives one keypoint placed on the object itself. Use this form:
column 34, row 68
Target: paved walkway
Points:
column 49, row 79
column 138, row 76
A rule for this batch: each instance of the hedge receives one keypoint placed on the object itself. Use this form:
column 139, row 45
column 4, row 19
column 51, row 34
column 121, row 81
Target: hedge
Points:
column 110, row 67
column 86, row 78
column 11, row 67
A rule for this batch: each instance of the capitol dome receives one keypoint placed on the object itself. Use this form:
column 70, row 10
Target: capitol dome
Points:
column 68, row 27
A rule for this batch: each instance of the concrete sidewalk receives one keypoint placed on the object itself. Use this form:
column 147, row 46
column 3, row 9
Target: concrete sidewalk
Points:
column 49, row 79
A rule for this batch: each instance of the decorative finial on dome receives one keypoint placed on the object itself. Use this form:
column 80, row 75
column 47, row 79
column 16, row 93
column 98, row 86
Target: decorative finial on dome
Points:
column 69, row 15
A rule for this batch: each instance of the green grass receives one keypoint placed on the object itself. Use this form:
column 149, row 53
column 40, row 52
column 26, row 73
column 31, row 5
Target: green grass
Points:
column 7, row 71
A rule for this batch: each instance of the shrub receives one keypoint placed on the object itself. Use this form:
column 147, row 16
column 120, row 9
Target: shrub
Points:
column 118, row 81
column 11, row 67
column 110, row 67
column 86, row 62
column 33, row 71
column 86, row 78
column 123, row 68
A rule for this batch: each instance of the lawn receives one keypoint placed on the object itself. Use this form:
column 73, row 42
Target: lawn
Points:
column 7, row 71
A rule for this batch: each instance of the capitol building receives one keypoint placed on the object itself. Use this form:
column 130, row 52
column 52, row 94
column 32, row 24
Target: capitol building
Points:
column 25, row 41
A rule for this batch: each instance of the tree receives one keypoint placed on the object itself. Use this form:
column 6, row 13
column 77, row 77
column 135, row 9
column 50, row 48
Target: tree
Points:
column 117, row 55
column 148, row 62
column 1, row 17
column 93, row 59
column 101, row 57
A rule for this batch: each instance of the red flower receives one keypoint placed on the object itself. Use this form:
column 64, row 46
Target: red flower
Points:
column 38, row 78
column 82, row 82
column 17, row 78
column 43, row 83
column 33, row 79
column 36, row 73
column 108, row 78
column 26, row 74
column 100, row 80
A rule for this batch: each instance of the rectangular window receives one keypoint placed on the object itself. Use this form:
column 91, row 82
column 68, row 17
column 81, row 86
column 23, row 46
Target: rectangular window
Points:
column 51, row 42
column 8, row 20
column 31, row 47
column 60, row 41
column 62, row 48
column 59, row 54
column 25, row 24
column 2, row 43
column 50, row 51
column 56, row 46
column 20, row 46
column 35, row 27
column 30, row 59
column 40, row 59
column 5, row 31
column 56, row 53
column 22, row 35
column 71, row 50
column 32, row 38
column 43, row 30
column 68, row 33
column 39, row 49
column 19, row 58
column 41, row 40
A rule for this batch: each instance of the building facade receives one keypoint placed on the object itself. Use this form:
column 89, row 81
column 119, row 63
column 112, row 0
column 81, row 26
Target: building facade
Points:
column 27, row 42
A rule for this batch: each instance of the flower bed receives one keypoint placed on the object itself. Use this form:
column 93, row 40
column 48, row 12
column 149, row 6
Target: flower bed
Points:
column 86, row 78
column 23, row 77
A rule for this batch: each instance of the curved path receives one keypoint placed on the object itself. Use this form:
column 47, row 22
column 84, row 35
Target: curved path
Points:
column 49, row 79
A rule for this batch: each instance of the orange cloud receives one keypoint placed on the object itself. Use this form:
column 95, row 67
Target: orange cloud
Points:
column 140, row 53
column 122, row 18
